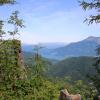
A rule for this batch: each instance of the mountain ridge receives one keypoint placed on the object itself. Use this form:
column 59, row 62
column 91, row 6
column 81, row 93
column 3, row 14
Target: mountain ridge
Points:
column 84, row 47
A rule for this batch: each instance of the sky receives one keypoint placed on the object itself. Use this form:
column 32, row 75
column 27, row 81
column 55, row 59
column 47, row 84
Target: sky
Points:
column 51, row 21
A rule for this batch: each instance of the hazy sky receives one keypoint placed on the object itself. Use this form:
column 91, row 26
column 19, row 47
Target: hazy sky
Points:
column 52, row 20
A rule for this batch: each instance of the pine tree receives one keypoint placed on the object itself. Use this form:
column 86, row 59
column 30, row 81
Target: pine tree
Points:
column 42, row 88
column 38, row 68
column 93, row 5
column 96, row 78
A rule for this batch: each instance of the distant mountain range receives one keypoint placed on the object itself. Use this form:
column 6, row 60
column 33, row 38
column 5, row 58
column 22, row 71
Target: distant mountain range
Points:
column 46, row 46
column 85, row 47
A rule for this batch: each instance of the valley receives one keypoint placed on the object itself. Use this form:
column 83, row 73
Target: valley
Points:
column 77, row 63
column 60, row 51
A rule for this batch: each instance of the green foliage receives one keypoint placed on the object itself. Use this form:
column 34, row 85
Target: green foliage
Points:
column 14, row 87
column 38, row 67
column 96, row 78
column 35, row 89
column 10, row 69
column 95, row 4
column 2, row 32
column 2, row 2
column 13, row 84
column 86, row 90
column 75, row 67
column 16, row 22
column 43, row 89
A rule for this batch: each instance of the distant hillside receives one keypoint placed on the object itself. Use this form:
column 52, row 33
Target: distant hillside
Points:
column 45, row 51
column 85, row 47
column 76, row 67
column 46, row 46
column 60, row 51
column 29, row 60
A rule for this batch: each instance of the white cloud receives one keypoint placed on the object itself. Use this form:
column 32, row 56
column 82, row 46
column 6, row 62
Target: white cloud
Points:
column 46, row 23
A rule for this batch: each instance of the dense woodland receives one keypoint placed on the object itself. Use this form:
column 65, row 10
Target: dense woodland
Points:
column 26, row 76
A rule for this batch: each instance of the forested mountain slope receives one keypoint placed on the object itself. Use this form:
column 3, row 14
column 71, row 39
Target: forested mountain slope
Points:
column 85, row 47
column 76, row 67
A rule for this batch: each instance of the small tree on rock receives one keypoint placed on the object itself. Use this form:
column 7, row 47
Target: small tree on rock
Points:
column 16, row 22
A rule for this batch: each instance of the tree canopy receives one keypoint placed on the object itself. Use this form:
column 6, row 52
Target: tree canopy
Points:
column 92, row 5
column 2, row 32
column 16, row 22
column 2, row 2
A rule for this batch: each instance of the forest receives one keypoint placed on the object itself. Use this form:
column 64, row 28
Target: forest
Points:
column 29, row 76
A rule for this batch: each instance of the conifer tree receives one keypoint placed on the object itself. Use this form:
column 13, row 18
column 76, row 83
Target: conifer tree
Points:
column 92, row 5
column 96, row 78
column 38, row 64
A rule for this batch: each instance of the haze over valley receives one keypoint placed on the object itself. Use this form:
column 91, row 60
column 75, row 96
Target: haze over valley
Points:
column 86, row 47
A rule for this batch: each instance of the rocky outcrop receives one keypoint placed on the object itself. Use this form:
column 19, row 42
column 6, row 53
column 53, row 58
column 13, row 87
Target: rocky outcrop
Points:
column 64, row 95
column 11, row 57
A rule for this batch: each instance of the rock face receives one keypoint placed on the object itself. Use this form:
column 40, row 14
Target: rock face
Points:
column 11, row 57
column 19, row 56
column 64, row 95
